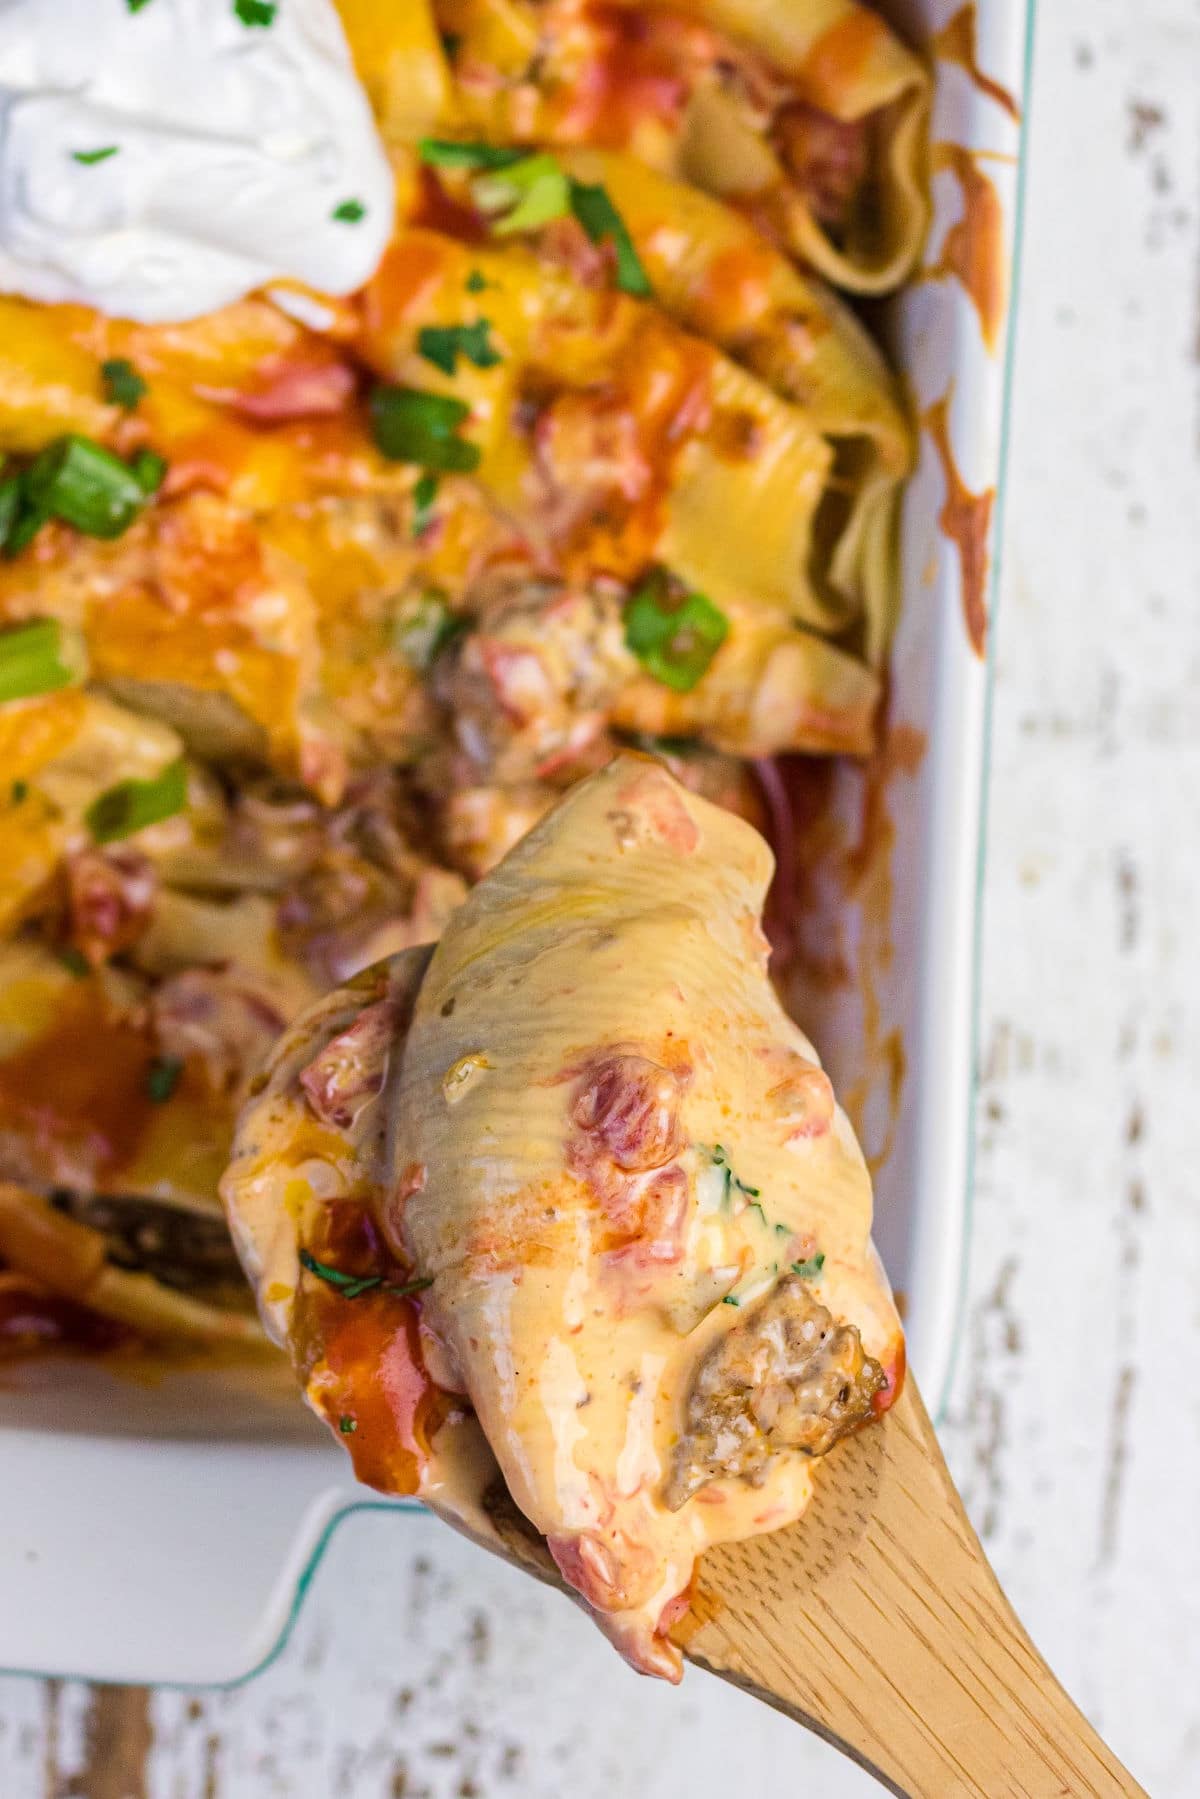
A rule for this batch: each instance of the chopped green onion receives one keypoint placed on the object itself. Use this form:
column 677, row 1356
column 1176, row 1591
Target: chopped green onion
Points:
column 89, row 157
column 255, row 12
column 18, row 792
column 84, row 484
column 122, row 383
column 601, row 220
column 149, row 470
column 136, row 5
column 132, row 805
column 447, row 153
column 425, row 629
column 75, row 962
column 350, row 212
column 729, row 1300
column 11, row 489
column 444, row 344
column 347, row 1425
column 424, row 495
column 536, row 189
column 476, row 282
column 674, row 636
column 31, row 660
column 808, row 1271
column 410, row 425
column 162, row 1078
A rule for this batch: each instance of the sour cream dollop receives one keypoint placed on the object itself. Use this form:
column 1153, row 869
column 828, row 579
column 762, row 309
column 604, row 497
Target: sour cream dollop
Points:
column 159, row 161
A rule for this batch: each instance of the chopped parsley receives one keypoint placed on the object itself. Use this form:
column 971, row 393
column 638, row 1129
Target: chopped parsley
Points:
column 476, row 282
column 350, row 212
column 721, row 1160
column 603, row 223
column 255, row 12
column 123, row 386
column 136, row 5
column 729, row 1300
column 347, row 1424
column 809, row 1270
column 162, row 1078
column 351, row 1285
column 673, row 633
column 444, row 344
column 149, row 470
column 90, row 157
column 410, row 425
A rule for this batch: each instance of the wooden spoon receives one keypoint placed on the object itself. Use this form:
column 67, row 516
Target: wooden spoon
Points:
column 877, row 1622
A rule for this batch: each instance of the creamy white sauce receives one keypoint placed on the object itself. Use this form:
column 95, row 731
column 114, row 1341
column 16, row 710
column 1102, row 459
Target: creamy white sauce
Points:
column 232, row 146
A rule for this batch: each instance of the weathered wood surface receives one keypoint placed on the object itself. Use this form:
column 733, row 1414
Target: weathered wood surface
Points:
column 422, row 1670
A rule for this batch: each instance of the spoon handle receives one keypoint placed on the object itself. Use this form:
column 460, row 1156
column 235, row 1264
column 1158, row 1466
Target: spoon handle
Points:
column 877, row 1622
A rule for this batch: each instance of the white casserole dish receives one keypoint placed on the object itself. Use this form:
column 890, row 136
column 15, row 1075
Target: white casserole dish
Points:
column 167, row 1532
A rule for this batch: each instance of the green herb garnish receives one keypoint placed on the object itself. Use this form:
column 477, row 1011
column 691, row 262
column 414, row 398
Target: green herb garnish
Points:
column 444, row 344
column 673, row 634
column 410, row 425
column 89, row 157
column 808, row 1271
column 601, row 220
column 529, row 193
column 75, row 962
column 476, row 282
column 122, row 383
column 32, row 661
column 448, row 153
column 133, row 805
column 255, row 12
column 85, row 485
column 426, row 628
column 351, row 1285
column 350, row 212
column 18, row 792
column 347, row 1425
column 149, row 470
column 424, row 495
column 729, row 1300
column 162, row 1078
column 136, row 5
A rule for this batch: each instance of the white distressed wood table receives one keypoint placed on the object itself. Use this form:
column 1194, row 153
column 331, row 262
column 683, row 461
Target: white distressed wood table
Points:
column 420, row 1670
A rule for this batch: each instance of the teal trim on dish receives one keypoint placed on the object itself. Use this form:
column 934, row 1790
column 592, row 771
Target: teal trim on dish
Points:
column 1010, row 357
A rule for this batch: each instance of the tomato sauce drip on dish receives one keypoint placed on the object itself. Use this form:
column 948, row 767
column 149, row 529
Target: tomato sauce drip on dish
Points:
column 958, row 43
column 966, row 519
column 973, row 248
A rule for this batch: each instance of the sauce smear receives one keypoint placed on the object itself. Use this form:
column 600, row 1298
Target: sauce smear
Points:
column 958, row 43
column 965, row 519
column 973, row 250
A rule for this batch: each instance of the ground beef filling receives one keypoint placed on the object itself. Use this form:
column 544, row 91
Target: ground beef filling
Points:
column 786, row 1377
